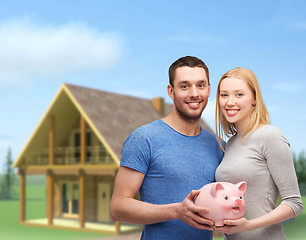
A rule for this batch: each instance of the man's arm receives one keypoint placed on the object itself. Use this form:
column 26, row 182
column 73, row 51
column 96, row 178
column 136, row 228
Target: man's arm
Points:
column 124, row 208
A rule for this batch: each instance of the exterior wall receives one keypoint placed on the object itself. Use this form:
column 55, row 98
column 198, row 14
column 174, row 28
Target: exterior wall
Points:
column 91, row 198
column 91, row 194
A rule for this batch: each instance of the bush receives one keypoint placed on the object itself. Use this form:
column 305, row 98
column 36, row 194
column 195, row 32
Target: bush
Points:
column 302, row 188
column 300, row 168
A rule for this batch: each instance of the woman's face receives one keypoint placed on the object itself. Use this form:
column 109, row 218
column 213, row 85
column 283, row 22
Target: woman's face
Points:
column 236, row 101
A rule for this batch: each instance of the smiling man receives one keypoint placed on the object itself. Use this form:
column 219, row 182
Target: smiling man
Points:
column 189, row 92
column 166, row 160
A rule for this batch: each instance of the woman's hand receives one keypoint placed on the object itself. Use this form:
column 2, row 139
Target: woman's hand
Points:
column 234, row 226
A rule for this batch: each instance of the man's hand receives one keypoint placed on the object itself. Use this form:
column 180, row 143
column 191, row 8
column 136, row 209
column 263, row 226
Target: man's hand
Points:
column 189, row 213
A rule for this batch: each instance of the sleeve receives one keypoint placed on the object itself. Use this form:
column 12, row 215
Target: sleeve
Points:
column 280, row 163
column 135, row 152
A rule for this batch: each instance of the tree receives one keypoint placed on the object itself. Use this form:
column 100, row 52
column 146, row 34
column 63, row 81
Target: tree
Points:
column 6, row 191
column 300, row 166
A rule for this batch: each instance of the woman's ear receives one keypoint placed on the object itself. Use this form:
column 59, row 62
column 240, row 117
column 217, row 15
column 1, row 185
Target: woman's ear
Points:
column 254, row 101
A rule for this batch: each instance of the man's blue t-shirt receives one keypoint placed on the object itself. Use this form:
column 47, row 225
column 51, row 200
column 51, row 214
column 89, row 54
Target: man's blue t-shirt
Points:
column 173, row 164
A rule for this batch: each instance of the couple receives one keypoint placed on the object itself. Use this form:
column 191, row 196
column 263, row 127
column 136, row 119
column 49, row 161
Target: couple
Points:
column 168, row 159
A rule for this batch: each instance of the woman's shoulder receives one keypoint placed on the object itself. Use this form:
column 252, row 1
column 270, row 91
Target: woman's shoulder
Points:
column 268, row 129
column 269, row 133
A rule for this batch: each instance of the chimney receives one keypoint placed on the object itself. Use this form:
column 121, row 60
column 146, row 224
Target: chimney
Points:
column 159, row 105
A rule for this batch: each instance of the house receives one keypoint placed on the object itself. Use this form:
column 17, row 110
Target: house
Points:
column 77, row 146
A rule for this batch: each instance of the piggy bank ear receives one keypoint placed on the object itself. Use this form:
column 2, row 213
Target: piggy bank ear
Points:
column 242, row 186
column 216, row 187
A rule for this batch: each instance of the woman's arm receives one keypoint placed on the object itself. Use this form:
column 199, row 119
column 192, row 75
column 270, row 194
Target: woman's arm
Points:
column 276, row 151
column 279, row 214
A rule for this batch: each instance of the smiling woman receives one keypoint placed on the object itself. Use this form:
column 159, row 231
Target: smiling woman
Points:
column 258, row 154
column 239, row 87
column 237, row 102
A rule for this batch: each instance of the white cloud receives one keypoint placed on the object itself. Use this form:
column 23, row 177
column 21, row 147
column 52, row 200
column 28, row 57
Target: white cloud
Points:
column 273, row 108
column 289, row 87
column 28, row 50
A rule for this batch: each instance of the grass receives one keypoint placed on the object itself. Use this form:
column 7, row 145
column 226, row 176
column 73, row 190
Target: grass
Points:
column 295, row 229
column 11, row 229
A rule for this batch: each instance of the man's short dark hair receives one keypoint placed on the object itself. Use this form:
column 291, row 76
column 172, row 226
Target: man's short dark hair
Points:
column 187, row 61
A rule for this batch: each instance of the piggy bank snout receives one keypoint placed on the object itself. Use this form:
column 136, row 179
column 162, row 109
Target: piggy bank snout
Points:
column 238, row 202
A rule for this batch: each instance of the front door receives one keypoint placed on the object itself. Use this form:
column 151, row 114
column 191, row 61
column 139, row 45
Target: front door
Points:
column 70, row 199
column 104, row 197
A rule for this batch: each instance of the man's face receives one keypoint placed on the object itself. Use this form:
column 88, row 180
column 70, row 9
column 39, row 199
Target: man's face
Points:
column 190, row 92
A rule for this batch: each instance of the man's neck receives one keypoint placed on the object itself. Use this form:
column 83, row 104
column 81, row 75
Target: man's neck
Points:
column 188, row 128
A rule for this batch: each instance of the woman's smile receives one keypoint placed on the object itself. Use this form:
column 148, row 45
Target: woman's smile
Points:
column 232, row 112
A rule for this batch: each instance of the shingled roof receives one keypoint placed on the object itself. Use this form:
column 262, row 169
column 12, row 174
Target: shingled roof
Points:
column 115, row 115
column 112, row 116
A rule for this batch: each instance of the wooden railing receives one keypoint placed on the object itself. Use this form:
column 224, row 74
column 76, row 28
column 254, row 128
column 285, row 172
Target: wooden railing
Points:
column 70, row 156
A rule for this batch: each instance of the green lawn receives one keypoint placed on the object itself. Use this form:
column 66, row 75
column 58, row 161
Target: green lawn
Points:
column 296, row 229
column 11, row 229
column 35, row 208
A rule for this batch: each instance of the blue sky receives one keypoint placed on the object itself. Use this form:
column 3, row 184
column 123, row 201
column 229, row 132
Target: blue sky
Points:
column 127, row 47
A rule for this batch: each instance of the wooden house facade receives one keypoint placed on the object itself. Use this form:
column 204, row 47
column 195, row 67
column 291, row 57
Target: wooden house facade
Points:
column 77, row 146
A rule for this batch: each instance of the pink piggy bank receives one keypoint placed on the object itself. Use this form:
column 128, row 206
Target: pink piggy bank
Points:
column 224, row 201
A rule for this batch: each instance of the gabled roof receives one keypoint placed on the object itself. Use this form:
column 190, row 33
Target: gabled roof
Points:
column 111, row 116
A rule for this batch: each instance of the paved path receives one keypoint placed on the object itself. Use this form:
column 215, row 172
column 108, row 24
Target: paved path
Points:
column 130, row 236
column 136, row 236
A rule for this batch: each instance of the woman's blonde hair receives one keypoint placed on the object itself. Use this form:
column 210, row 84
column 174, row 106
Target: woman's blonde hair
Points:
column 260, row 113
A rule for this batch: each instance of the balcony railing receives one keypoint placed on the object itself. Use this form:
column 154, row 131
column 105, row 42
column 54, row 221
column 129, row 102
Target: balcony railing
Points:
column 70, row 156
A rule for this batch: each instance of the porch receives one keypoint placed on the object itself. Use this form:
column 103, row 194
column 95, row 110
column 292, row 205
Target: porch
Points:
column 74, row 224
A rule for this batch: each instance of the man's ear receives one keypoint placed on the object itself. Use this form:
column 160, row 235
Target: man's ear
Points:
column 170, row 92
